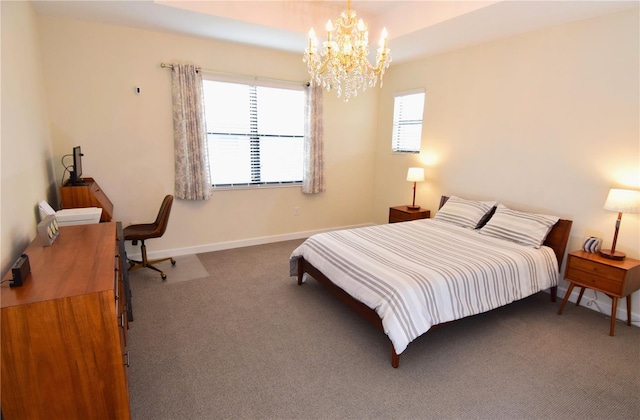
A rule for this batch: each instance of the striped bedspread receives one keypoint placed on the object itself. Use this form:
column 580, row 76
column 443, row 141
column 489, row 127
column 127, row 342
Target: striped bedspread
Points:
column 425, row 272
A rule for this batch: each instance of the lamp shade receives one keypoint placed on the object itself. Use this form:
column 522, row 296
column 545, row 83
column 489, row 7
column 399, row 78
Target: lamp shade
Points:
column 415, row 174
column 623, row 201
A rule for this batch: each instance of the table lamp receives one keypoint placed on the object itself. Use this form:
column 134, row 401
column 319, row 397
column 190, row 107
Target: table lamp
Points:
column 415, row 175
column 622, row 201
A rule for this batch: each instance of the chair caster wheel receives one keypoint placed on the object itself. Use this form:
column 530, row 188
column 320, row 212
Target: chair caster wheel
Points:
column 173, row 262
column 164, row 276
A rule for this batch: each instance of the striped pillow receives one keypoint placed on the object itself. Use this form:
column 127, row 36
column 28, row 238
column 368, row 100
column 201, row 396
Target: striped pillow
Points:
column 465, row 213
column 524, row 228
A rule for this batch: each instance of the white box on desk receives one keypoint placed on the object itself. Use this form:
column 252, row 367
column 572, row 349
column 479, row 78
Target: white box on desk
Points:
column 80, row 216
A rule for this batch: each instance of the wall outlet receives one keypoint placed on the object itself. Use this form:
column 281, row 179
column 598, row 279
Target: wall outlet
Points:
column 296, row 211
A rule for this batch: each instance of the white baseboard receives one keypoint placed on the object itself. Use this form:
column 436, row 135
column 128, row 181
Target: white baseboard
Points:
column 236, row 244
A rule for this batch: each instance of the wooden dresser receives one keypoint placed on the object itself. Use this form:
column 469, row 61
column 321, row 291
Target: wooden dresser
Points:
column 64, row 332
column 87, row 195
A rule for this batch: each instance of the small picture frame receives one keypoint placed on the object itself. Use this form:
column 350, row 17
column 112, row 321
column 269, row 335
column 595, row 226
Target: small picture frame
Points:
column 591, row 244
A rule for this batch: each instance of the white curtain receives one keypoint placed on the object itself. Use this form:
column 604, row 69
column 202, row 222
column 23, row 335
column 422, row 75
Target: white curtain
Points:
column 313, row 175
column 192, row 180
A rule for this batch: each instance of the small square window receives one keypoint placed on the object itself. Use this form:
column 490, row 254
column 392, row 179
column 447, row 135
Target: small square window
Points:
column 407, row 122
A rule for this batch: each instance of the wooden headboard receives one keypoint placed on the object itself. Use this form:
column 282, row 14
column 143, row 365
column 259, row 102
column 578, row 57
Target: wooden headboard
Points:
column 557, row 238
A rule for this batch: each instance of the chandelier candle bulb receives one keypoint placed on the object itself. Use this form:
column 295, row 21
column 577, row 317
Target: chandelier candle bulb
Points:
column 312, row 40
column 383, row 39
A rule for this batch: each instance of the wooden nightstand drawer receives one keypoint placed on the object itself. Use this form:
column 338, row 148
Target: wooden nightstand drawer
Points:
column 405, row 214
column 598, row 269
column 594, row 281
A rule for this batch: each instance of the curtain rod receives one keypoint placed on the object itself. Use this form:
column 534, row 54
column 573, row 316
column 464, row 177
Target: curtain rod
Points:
column 241, row 76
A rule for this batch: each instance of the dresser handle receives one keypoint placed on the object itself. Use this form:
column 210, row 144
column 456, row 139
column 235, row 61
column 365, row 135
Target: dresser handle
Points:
column 122, row 320
column 127, row 356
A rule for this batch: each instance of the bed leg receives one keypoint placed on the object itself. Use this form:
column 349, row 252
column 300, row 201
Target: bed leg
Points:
column 554, row 293
column 395, row 359
column 300, row 270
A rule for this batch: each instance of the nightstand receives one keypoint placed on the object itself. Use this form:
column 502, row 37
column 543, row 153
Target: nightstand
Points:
column 616, row 279
column 405, row 214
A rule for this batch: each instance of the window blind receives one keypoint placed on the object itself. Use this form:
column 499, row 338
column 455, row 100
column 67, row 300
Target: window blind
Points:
column 255, row 133
column 407, row 122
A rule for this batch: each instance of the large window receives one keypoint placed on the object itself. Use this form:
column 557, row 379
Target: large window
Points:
column 407, row 122
column 255, row 133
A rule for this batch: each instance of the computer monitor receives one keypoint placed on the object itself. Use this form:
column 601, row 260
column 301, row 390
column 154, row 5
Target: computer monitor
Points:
column 76, row 173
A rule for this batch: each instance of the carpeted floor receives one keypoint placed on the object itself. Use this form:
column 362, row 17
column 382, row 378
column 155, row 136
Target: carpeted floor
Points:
column 230, row 335
column 188, row 267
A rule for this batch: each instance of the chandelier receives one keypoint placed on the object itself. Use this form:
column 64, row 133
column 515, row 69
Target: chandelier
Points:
column 342, row 62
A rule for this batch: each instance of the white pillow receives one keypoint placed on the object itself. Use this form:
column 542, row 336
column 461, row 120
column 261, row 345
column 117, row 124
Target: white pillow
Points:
column 524, row 228
column 465, row 213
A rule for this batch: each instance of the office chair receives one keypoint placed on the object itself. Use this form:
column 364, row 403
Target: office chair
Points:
column 143, row 231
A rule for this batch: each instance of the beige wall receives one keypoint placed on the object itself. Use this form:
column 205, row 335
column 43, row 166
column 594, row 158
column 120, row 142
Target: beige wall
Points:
column 91, row 72
column 26, row 162
column 546, row 121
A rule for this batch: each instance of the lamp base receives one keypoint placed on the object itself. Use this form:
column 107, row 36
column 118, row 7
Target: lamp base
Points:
column 413, row 207
column 615, row 255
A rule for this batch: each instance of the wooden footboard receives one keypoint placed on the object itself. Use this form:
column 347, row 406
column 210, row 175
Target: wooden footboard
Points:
column 366, row 312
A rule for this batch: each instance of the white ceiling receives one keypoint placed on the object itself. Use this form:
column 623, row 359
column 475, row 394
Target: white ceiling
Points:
column 416, row 28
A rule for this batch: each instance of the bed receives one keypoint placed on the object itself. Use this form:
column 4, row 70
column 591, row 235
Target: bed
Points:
column 406, row 278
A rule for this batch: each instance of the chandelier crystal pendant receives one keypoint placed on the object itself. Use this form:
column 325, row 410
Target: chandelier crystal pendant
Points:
column 342, row 62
